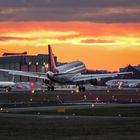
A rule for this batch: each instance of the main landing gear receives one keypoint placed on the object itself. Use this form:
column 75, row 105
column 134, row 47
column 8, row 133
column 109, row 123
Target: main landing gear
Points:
column 80, row 87
column 50, row 88
column 8, row 89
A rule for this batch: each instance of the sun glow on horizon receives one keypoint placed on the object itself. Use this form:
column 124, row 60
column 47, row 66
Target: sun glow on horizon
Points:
column 100, row 46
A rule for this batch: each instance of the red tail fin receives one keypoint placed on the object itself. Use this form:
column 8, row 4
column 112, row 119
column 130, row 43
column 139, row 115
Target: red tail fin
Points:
column 52, row 66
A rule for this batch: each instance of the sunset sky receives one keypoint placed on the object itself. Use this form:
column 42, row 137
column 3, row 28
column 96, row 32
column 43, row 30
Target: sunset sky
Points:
column 104, row 34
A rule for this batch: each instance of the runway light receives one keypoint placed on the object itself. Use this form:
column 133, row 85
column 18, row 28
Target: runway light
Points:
column 33, row 91
column 97, row 99
column 31, row 99
column 108, row 91
column 93, row 105
column 1, row 109
column 57, row 97
column 119, row 115
column 77, row 90
column 72, row 91
column 85, row 97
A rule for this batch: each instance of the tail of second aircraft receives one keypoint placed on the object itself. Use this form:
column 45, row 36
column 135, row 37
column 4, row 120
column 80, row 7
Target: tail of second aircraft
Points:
column 52, row 66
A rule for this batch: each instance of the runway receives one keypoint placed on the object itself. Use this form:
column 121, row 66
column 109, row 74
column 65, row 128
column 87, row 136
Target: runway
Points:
column 113, row 95
column 66, row 117
column 12, row 104
column 78, row 105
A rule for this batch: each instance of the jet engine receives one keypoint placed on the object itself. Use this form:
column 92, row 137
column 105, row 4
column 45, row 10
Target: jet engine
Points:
column 94, row 81
column 46, row 81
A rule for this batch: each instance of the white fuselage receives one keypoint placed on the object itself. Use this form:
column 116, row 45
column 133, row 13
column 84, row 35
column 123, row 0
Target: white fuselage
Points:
column 67, row 72
column 6, row 84
column 123, row 83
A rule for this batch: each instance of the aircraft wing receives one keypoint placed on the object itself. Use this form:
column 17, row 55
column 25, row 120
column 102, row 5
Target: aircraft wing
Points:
column 86, row 77
column 28, row 74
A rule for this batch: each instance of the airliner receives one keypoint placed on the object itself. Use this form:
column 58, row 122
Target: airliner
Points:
column 7, row 86
column 67, row 73
column 132, row 83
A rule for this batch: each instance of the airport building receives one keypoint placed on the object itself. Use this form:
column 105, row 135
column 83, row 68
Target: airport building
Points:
column 137, row 67
column 134, row 69
column 31, row 63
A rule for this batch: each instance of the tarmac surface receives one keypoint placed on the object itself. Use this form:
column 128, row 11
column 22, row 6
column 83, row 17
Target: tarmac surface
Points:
column 98, row 95
column 66, row 117
column 85, row 105
column 15, row 102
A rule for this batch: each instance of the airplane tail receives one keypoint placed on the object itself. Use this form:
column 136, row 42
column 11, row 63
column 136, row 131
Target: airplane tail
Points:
column 52, row 66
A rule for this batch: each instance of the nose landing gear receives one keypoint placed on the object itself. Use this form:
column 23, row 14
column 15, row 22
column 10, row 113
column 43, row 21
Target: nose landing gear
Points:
column 50, row 88
column 81, row 87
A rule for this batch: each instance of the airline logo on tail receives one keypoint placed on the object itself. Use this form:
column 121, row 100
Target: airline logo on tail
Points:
column 52, row 66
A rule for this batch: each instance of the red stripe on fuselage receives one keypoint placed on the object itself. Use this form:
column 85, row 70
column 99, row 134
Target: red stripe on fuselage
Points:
column 52, row 66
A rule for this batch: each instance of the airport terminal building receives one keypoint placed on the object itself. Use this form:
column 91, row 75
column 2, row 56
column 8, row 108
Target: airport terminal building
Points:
column 33, row 63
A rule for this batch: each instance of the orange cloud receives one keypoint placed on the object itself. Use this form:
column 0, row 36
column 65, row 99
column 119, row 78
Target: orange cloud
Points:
column 96, row 41
column 100, row 46
column 6, row 38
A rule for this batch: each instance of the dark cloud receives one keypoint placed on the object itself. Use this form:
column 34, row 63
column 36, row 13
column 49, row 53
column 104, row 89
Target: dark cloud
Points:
column 71, row 10
column 96, row 41
column 6, row 38
column 69, row 3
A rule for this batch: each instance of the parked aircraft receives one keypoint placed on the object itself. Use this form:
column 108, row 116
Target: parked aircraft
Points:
column 7, row 85
column 123, row 83
column 67, row 73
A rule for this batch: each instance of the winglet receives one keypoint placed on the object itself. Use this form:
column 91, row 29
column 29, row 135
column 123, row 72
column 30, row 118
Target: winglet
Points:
column 52, row 66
